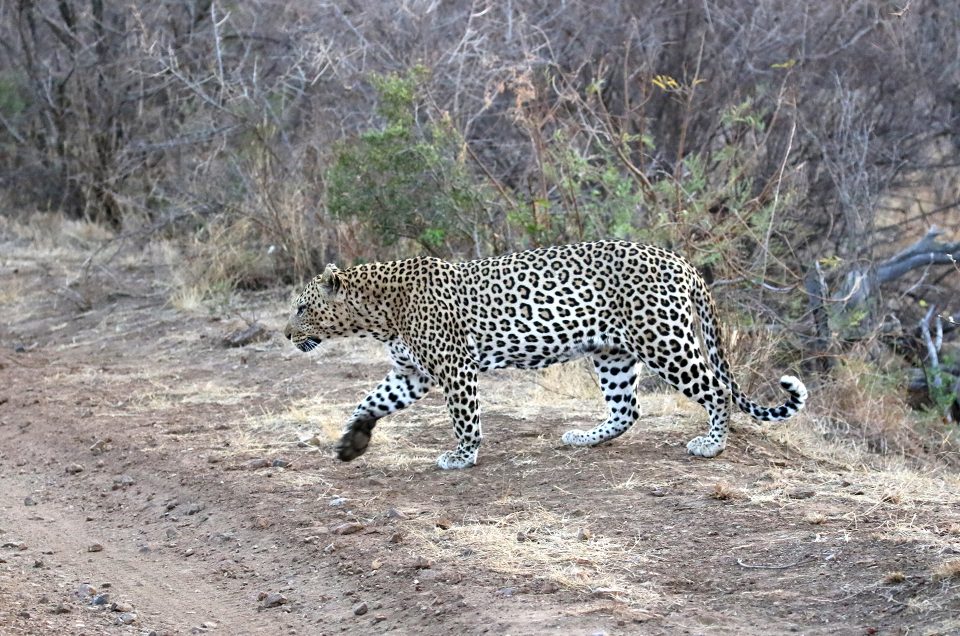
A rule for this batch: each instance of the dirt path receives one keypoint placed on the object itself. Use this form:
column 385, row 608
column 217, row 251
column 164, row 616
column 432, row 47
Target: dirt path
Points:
column 126, row 424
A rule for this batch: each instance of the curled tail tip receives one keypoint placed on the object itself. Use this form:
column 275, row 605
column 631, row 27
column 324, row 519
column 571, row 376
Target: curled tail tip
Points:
column 796, row 388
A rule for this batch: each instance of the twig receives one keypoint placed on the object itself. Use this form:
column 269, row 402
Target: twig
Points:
column 763, row 566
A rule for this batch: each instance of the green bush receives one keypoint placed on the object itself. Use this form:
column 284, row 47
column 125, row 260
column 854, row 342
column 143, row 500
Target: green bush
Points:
column 408, row 179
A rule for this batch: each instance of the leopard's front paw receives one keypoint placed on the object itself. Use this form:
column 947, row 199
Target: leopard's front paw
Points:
column 703, row 446
column 451, row 460
column 355, row 440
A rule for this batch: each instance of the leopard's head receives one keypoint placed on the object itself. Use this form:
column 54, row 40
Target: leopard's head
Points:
column 320, row 312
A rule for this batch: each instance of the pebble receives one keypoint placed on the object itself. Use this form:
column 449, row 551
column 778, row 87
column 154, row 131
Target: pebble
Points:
column 84, row 591
column 96, row 547
column 256, row 464
column 123, row 481
column 393, row 513
column 123, row 608
column 100, row 446
column 101, row 599
column 19, row 545
column 193, row 508
column 337, row 502
column 349, row 527
column 60, row 608
column 73, row 469
column 443, row 523
column 505, row 592
column 360, row 609
column 126, row 618
column 247, row 335
column 422, row 563
column 274, row 600
column 29, row 501
column 280, row 463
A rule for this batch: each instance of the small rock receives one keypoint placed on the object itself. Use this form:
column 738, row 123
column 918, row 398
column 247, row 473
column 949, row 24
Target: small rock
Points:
column 256, row 464
column 29, row 501
column 126, row 618
column 376, row 564
column 96, row 547
column 242, row 337
column 337, row 502
column 658, row 492
column 422, row 563
column 73, row 469
column 17, row 545
column 100, row 446
column 23, row 614
column 122, row 481
column 584, row 534
column 38, row 563
column 274, row 600
column 101, row 599
column 505, row 592
column 396, row 537
column 172, row 534
column 280, row 463
column 19, row 348
column 349, row 527
column 549, row 588
column 193, row 508
column 123, row 608
column 60, row 608
column 84, row 591
column 443, row 523
column 360, row 609
column 800, row 494
column 393, row 513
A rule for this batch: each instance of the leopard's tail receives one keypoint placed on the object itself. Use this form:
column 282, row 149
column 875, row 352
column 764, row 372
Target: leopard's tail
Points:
column 713, row 336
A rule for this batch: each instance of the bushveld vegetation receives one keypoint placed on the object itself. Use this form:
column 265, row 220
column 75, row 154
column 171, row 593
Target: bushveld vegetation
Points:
column 802, row 155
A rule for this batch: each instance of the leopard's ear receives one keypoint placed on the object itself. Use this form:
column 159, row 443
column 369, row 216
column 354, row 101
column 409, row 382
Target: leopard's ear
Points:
column 331, row 281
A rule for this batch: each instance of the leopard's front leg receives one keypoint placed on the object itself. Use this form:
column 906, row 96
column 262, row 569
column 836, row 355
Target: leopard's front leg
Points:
column 399, row 389
column 460, row 390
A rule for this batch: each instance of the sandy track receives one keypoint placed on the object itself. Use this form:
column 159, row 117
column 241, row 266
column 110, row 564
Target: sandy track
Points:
column 782, row 533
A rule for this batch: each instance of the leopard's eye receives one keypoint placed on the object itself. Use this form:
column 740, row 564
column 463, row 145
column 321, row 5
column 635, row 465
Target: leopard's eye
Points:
column 300, row 310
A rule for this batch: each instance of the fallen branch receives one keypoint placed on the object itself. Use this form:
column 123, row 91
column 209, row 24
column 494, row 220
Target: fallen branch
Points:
column 863, row 282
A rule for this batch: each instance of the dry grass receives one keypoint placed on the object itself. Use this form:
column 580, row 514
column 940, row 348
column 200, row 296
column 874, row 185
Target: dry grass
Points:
column 947, row 571
column 537, row 544
column 894, row 578
column 723, row 491
column 312, row 420
column 161, row 397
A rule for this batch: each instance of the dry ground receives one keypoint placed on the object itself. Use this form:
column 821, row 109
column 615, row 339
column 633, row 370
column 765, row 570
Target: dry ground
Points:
column 782, row 533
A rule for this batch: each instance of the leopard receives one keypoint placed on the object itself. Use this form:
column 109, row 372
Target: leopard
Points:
column 616, row 302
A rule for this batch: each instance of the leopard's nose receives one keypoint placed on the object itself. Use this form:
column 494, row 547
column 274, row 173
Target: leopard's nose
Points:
column 288, row 332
